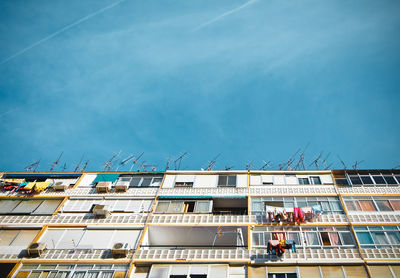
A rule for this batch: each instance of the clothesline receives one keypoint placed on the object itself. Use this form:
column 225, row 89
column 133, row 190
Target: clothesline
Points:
column 297, row 214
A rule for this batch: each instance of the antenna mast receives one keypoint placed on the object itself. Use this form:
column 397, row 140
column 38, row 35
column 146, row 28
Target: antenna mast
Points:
column 180, row 160
column 55, row 163
column 79, row 164
column 341, row 161
column 107, row 165
column 266, row 165
column 212, row 163
column 316, row 161
column 135, row 161
column 124, row 161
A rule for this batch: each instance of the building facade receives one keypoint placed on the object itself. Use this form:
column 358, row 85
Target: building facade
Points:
column 198, row 224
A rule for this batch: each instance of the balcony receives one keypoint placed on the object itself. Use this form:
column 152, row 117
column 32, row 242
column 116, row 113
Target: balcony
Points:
column 338, row 219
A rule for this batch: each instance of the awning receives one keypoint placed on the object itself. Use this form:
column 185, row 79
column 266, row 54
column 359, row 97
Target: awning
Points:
column 184, row 197
column 106, row 178
column 229, row 197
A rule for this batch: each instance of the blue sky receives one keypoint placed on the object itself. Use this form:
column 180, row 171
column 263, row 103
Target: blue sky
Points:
column 252, row 80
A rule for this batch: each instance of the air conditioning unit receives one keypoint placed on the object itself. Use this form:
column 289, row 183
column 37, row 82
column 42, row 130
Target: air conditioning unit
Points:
column 122, row 186
column 103, row 187
column 36, row 249
column 60, row 186
column 120, row 250
column 101, row 211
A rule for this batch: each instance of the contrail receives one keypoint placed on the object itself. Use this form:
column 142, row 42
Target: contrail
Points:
column 60, row 31
column 223, row 15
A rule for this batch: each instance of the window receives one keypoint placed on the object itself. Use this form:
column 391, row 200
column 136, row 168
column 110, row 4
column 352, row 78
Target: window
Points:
column 342, row 181
column 184, row 184
column 201, row 206
column 378, row 236
column 379, row 180
column 366, row 180
column 355, row 180
column 304, row 181
column 315, row 180
column 282, row 275
column 390, row 180
column 141, row 181
column 227, row 180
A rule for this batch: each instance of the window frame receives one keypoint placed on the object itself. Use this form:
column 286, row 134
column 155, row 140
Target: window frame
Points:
column 227, row 183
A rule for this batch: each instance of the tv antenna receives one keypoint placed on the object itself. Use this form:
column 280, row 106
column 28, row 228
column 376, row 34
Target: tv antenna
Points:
column 248, row 165
column 316, row 161
column 107, row 164
column 32, row 167
column 212, row 163
column 301, row 158
column 341, row 161
column 79, row 164
column 265, row 165
column 324, row 161
column 355, row 166
column 329, row 166
column 124, row 161
column 227, row 168
column 85, row 165
column 179, row 161
column 135, row 161
column 55, row 163
column 167, row 165
column 64, row 166
column 289, row 162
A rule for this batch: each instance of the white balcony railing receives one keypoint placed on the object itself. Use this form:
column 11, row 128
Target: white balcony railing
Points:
column 81, row 219
column 374, row 217
column 390, row 254
column 369, row 190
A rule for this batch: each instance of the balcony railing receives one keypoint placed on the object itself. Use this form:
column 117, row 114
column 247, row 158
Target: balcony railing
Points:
column 375, row 217
column 193, row 219
column 81, row 219
column 86, row 191
column 369, row 190
column 308, row 256
column 390, row 254
column 177, row 255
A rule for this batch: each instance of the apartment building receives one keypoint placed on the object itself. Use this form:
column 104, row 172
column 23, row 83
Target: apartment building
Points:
column 198, row 224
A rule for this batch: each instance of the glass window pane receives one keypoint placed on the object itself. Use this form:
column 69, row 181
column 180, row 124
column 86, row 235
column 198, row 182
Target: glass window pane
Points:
column 394, row 237
column 395, row 204
column 383, row 205
column 312, row 238
column 222, row 180
column 335, row 205
column 135, row 182
column 232, row 180
column 379, row 238
column 379, row 180
column 146, row 181
column 355, row 180
column 202, row 206
column 347, row 238
column 316, row 180
column 367, row 205
column 367, row 180
column 162, row 207
column 398, row 179
column 176, row 207
column 304, row 181
column 364, row 238
column 350, row 205
column 390, row 180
